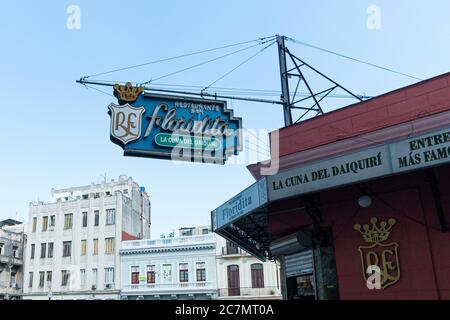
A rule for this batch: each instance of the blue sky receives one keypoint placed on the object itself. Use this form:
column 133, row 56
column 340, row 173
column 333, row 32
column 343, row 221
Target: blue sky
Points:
column 56, row 133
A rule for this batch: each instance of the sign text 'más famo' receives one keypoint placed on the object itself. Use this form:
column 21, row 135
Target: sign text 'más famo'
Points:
column 417, row 152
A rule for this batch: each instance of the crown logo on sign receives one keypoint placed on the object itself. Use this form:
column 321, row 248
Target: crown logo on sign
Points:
column 375, row 233
column 127, row 93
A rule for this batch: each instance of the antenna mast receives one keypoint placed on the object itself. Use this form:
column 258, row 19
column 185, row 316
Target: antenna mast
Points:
column 284, row 81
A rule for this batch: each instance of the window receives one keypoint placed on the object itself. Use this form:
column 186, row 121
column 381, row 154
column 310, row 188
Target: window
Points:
column 110, row 216
column 30, row 280
column 232, row 248
column 41, row 279
column 1, row 248
column 85, row 196
column 15, row 252
column 82, row 277
column 109, row 245
column 34, row 224
column 186, row 233
column 257, row 270
column 201, row 271
column 50, row 250
column 67, row 248
column 52, row 221
column 94, row 277
column 96, row 195
column 135, row 275
column 125, row 191
column 13, row 280
column 166, row 272
column 151, row 274
column 43, row 250
column 49, row 276
column 95, row 247
column 205, row 231
column 85, row 217
column 184, row 272
column 83, row 247
column 108, row 193
column 68, row 221
column 96, row 218
column 109, row 275
column 65, row 275
column 44, row 224
column 32, row 251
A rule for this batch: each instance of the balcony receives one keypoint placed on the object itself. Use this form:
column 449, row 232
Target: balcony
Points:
column 11, row 289
column 175, row 288
column 248, row 292
column 232, row 252
column 6, row 259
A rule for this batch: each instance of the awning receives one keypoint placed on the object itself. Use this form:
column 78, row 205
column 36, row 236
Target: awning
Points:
column 243, row 219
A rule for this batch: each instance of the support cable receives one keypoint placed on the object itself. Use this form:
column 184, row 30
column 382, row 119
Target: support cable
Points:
column 238, row 66
column 178, row 57
column 204, row 62
column 352, row 59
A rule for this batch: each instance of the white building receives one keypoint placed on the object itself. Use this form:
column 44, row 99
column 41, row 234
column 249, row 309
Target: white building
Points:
column 242, row 276
column 196, row 265
column 170, row 268
column 73, row 242
column 11, row 263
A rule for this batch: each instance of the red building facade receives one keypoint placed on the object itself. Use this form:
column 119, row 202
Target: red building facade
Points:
column 360, row 187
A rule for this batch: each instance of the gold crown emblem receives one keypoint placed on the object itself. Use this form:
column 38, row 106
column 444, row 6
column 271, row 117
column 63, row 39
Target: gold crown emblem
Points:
column 375, row 233
column 127, row 93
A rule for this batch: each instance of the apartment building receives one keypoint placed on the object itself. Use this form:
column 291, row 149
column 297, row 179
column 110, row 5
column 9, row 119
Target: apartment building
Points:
column 170, row 268
column 230, row 272
column 242, row 276
column 11, row 263
column 73, row 241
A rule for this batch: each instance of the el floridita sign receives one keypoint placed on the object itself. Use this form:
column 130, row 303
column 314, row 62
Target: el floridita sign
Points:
column 173, row 127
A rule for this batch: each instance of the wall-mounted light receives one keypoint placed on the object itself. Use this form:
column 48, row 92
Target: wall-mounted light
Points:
column 365, row 201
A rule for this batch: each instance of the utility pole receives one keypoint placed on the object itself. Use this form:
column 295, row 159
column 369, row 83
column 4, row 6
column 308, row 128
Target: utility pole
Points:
column 284, row 81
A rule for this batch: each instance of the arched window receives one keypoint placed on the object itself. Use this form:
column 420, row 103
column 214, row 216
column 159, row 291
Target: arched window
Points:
column 257, row 275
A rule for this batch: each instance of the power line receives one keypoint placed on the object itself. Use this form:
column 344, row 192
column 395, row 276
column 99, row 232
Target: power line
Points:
column 178, row 57
column 353, row 59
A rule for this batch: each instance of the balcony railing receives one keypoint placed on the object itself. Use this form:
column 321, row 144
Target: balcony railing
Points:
column 247, row 292
column 175, row 287
column 15, row 261
column 9, row 288
column 166, row 242
column 227, row 251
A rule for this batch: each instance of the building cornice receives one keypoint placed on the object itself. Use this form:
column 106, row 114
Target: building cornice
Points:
column 168, row 249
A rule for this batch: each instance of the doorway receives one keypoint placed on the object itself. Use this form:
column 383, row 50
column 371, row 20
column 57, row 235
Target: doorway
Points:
column 234, row 287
